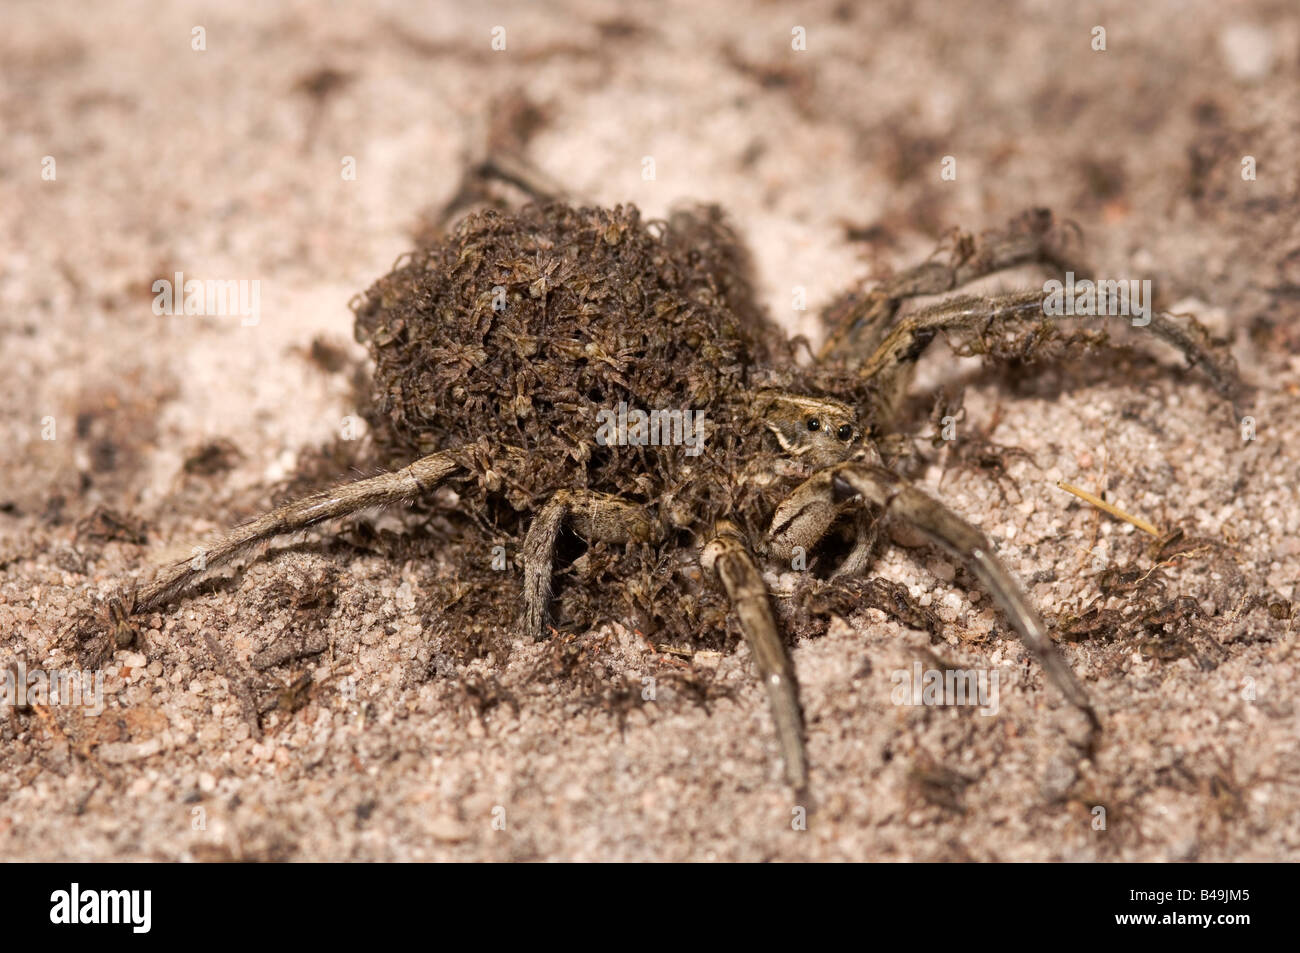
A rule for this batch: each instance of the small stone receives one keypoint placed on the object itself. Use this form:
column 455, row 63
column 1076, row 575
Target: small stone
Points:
column 121, row 752
column 448, row 830
column 942, row 569
column 1248, row 51
column 139, row 787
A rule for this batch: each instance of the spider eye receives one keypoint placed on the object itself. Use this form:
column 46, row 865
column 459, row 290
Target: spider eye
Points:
column 844, row 433
column 814, row 423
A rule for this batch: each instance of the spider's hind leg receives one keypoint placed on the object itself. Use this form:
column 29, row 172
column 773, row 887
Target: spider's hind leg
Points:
column 386, row 488
column 596, row 517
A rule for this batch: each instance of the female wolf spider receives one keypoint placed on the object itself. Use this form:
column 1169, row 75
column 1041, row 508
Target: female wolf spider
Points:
column 496, row 347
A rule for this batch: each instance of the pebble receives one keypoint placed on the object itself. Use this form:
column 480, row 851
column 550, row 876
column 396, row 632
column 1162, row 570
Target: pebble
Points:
column 942, row 569
column 120, row 752
column 448, row 830
column 139, row 787
column 1248, row 51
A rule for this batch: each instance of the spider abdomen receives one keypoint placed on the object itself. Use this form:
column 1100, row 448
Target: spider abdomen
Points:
column 517, row 332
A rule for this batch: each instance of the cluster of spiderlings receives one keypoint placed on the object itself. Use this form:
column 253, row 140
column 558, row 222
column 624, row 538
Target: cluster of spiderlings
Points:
column 511, row 335
column 515, row 332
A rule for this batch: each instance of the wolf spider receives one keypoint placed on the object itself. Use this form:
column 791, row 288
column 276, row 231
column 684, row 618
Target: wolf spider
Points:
column 496, row 345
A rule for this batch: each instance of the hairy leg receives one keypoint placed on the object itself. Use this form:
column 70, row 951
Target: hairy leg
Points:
column 866, row 530
column 1014, row 325
column 729, row 558
column 803, row 518
column 597, row 517
column 399, row 485
column 814, row 504
column 899, row 499
column 858, row 323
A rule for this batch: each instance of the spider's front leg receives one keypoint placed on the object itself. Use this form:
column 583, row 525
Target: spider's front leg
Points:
column 728, row 557
column 811, row 508
column 807, row 513
column 1034, row 237
column 596, row 517
column 1016, row 325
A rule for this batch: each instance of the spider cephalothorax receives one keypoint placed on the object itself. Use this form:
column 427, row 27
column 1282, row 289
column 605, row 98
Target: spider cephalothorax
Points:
column 577, row 370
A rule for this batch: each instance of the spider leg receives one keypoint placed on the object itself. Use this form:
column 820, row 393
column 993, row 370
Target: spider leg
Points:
column 867, row 534
column 728, row 556
column 896, row 497
column 405, row 484
column 803, row 518
column 597, row 517
column 1031, row 237
column 988, row 322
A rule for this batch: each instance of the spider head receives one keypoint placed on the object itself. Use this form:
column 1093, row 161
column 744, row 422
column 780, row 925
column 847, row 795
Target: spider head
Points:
column 817, row 430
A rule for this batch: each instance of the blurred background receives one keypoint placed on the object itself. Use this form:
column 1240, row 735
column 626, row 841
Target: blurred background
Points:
column 228, row 161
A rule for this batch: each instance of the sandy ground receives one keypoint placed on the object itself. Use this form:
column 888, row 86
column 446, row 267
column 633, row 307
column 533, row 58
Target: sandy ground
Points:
column 227, row 162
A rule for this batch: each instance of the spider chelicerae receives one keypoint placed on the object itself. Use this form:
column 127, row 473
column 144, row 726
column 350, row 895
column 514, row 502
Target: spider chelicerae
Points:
column 499, row 345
